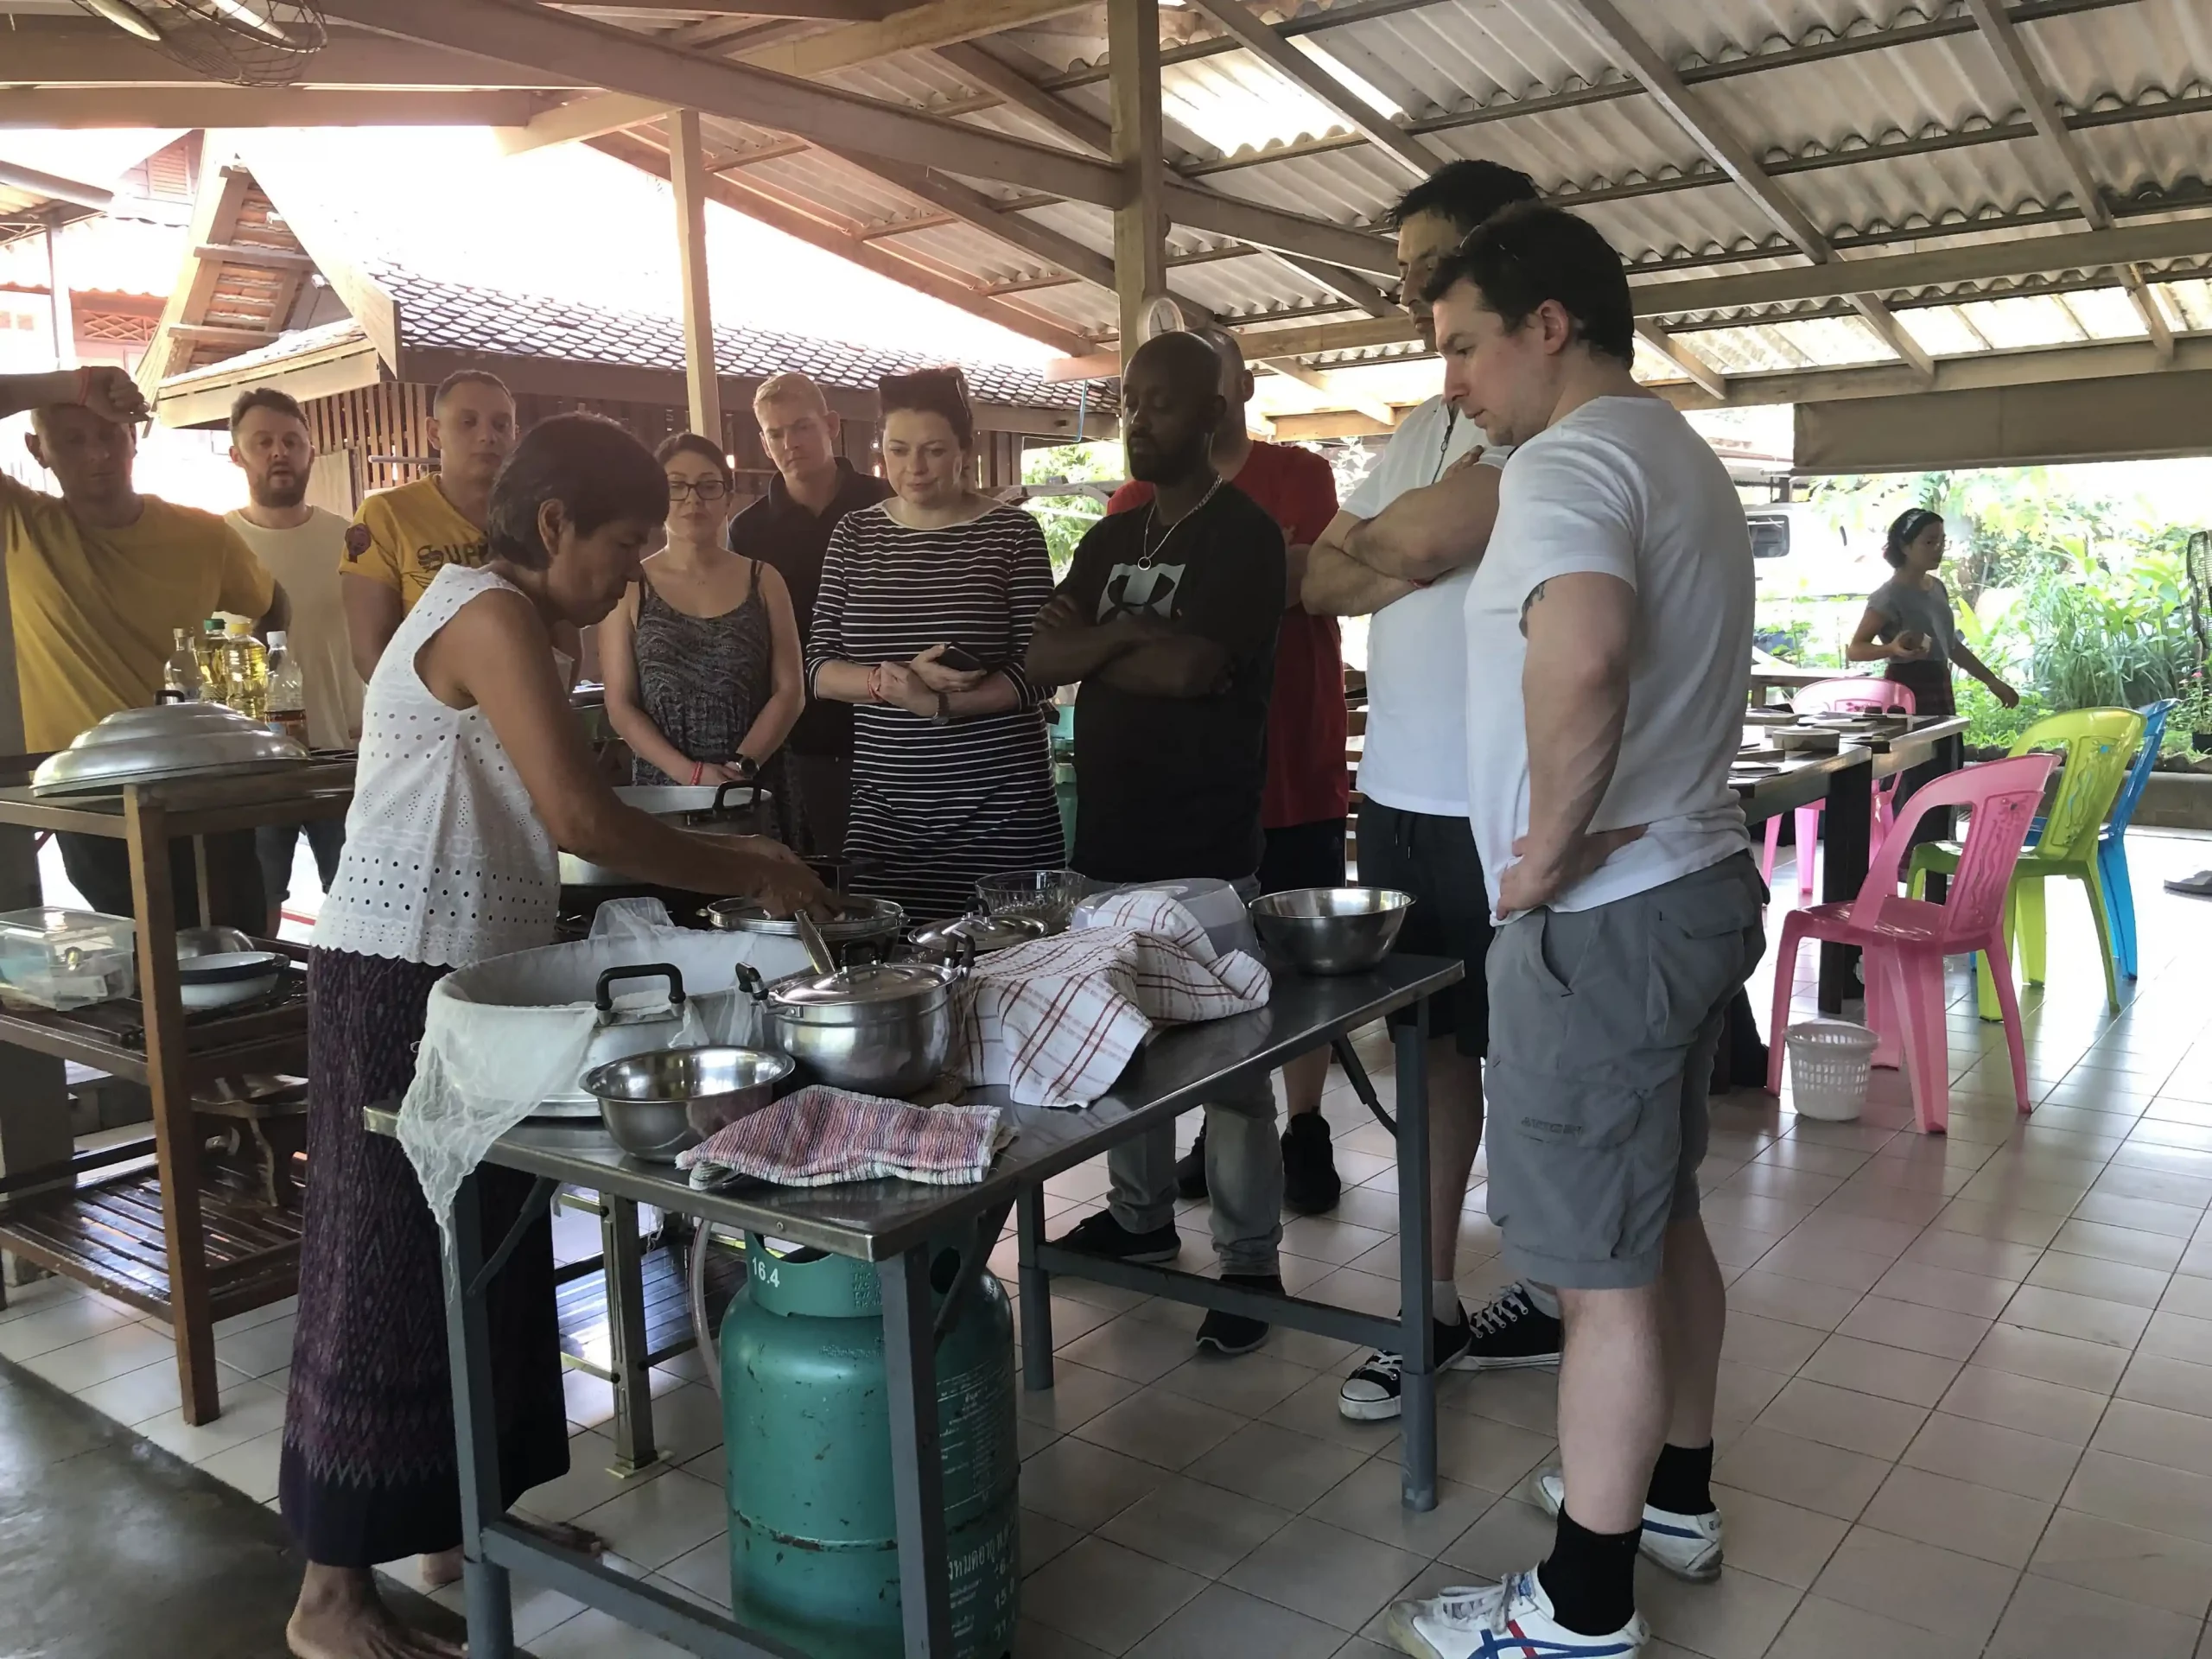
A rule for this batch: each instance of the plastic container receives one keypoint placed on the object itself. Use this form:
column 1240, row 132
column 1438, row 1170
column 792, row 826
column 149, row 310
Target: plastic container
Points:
column 1829, row 1060
column 61, row 959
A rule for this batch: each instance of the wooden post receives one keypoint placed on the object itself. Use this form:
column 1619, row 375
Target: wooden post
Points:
column 688, row 174
column 58, row 305
column 1140, row 219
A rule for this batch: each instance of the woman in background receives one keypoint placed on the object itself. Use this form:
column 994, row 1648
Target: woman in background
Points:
column 1909, row 627
column 702, row 657
column 952, row 778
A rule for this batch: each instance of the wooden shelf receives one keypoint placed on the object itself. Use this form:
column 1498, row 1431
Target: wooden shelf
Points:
column 109, row 1234
column 111, row 1036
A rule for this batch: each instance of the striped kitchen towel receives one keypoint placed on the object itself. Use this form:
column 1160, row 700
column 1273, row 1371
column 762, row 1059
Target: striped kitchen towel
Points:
column 820, row 1136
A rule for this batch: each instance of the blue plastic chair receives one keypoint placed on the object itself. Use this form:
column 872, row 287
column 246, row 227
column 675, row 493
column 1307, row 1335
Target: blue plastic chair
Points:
column 2112, row 840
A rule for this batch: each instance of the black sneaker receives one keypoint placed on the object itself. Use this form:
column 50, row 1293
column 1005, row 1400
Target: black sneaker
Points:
column 1370, row 1394
column 1309, row 1171
column 1232, row 1333
column 1101, row 1235
column 1512, row 1334
column 1190, row 1168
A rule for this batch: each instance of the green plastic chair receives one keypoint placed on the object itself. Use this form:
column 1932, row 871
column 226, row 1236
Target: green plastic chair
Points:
column 2100, row 745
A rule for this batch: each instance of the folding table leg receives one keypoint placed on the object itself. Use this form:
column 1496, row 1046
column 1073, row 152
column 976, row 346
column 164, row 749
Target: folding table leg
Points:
column 1035, row 1291
column 468, row 1348
column 625, row 1334
column 1416, row 1299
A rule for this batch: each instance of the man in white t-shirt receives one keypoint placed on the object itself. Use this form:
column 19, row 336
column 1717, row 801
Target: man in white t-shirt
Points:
column 1403, row 549
column 1606, row 634
column 302, row 546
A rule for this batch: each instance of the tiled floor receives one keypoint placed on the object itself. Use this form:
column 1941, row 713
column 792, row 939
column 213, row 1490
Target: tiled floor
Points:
column 1967, row 1400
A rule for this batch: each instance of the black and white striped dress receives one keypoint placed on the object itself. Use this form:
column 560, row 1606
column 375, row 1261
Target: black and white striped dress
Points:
column 934, row 808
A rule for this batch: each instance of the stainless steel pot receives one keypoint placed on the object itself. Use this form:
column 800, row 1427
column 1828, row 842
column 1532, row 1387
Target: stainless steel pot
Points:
column 883, row 1029
column 659, row 1104
column 976, row 935
column 861, row 920
column 703, row 810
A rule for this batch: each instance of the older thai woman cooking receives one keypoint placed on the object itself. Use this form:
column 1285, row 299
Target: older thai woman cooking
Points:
column 473, row 773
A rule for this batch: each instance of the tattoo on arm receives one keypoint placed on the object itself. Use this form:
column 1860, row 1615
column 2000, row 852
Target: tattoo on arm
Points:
column 1535, row 593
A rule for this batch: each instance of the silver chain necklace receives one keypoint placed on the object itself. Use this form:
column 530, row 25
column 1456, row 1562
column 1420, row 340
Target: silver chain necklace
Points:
column 1151, row 516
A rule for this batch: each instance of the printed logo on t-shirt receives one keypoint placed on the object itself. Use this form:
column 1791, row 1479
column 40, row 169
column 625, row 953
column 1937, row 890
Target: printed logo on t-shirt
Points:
column 467, row 554
column 358, row 541
column 1140, row 590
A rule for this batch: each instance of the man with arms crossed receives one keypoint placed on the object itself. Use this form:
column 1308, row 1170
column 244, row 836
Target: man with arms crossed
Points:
column 402, row 538
column 789, row 528
column 1422, row 516
column 1607, row 631
column 302, row 547
column 1308, row 793
column 1168, row 617
column 98, row 580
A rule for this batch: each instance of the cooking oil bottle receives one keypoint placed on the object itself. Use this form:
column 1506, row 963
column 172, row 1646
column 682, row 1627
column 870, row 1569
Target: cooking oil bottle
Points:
column 208, row 650
column 245, row 666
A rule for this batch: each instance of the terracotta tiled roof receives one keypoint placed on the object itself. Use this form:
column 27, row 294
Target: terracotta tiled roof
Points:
column 440, row 315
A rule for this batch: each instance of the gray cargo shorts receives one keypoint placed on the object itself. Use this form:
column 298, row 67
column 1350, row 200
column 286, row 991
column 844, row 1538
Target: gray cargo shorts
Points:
column 1603, row 1027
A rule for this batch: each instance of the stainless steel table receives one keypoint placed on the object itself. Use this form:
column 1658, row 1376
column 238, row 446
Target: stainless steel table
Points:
column 891, row 1224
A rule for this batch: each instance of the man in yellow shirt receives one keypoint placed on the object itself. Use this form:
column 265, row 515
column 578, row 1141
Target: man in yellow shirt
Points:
column 98, row 579
column 400, row 539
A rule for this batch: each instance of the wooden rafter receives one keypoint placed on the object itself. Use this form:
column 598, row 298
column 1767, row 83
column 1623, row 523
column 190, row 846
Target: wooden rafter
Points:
column 935, row 23
column 1258, row 37
column 1683, row 357
column 1612, row 29
column 1319, row 380
column 881, row 258
column 219, row 106
column 2028, row 86
column 994, row 74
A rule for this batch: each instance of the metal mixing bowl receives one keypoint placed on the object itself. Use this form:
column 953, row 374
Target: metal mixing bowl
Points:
column 1331, row 930
column 656, row 1105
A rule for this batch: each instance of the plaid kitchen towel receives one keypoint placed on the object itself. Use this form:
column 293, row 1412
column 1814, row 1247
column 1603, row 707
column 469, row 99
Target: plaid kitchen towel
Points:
column 1056, row 1020
column 820, row 1136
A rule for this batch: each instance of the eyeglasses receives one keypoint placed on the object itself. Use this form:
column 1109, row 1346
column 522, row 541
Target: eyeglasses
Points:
column 707, row 489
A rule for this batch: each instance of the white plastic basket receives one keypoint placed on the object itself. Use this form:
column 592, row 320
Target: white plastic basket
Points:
column 1829, row 1060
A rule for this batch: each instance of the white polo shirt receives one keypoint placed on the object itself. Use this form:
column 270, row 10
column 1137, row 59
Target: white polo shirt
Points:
column 1415, row 754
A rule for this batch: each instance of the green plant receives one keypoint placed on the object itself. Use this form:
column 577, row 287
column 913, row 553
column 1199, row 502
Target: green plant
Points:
column 1067, row 519
column 1990, row 724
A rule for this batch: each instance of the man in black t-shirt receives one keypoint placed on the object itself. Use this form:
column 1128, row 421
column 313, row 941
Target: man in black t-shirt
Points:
column 1168, row 618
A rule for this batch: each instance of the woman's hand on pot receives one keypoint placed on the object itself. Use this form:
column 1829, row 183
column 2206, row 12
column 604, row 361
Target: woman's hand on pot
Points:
column 785, row 889
column 935, row 675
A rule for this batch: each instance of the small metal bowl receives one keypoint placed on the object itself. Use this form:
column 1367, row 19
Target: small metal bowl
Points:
column 1331, row 930
column 658, row 1104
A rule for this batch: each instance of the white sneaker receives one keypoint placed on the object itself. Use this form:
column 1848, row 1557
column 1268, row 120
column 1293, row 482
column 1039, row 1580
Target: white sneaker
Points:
column 1688, row 1546
column 1511, row 1620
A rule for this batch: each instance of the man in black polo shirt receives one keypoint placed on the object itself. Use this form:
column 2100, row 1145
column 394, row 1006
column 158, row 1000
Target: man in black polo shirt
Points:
column 1168, row 619
column 789, row 528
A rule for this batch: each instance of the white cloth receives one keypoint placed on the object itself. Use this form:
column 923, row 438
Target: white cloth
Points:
column 305, row 560
column 1056, row 1021
column 447, row 861
column 1414, row 756
column 1623, row 486
column 506, row 1035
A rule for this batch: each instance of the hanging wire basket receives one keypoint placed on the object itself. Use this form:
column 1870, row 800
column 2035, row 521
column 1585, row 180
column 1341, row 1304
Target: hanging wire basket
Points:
column 245, row 42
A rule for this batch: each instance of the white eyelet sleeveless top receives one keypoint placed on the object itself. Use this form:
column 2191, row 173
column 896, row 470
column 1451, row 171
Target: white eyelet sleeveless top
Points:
column 447, row 861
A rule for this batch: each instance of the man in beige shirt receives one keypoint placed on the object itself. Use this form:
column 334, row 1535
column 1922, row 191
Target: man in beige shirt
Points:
column 302, row 546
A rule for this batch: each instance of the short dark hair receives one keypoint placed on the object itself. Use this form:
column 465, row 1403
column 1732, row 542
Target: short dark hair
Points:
column 931, row 392
column 1531, row 253
column 593, row 468
column 468, row 377
column 1466, row 193
column 264, row 397
column 694, row 443
column 1904, row 529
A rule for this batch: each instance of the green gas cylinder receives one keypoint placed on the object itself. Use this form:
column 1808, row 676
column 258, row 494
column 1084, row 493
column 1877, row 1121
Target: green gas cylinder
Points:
column 814, row 1553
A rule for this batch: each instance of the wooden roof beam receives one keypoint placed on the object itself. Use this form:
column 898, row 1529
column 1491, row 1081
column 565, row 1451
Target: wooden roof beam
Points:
column 1606, row 25
column 994, row 75
column 1317, row 380
column 1673, row 350
column 881, row 259
column 216, row 105
column 241, row 253
column 1256, row 37
column 935, row 23
column 2028, row 86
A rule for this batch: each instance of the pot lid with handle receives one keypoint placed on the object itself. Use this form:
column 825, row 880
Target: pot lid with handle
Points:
column 878, row 983
column 983, row 933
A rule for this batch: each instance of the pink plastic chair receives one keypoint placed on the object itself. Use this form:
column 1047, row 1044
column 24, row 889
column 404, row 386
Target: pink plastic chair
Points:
column 1863, row 695
column 1905, row 940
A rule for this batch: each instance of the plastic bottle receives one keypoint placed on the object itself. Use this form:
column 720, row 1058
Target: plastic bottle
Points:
column 288, row 690
column 214, row 677
column 245, row 666
column 180, row 674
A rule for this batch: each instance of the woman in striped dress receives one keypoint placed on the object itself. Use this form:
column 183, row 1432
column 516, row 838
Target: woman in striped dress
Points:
column 952, row 776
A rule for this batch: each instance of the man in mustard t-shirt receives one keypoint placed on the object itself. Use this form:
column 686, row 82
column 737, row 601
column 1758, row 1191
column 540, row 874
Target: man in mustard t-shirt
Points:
column 98, row 579
column 402, row 538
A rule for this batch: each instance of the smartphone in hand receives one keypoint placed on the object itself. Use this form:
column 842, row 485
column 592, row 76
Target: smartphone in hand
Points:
column 960, row 661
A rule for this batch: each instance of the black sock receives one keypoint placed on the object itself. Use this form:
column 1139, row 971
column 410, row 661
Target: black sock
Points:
column 1591, row 1578
column 1683, row 1482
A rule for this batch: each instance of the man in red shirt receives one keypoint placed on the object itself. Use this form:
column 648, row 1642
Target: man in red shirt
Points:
column 1308, row 792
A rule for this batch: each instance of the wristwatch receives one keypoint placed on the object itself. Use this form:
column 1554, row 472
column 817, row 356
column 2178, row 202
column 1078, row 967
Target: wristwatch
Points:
column 747, row 768
column 943, row 714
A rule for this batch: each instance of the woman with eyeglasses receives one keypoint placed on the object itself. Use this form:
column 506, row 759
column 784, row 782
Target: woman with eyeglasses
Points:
column 702, row 657
column 927, row 603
